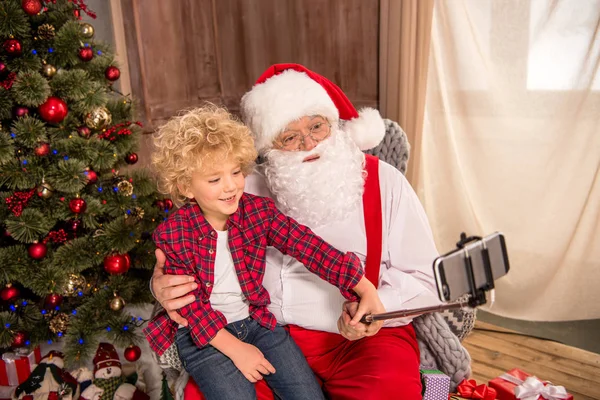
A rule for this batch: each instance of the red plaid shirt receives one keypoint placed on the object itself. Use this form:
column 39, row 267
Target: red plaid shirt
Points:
column 189, row 243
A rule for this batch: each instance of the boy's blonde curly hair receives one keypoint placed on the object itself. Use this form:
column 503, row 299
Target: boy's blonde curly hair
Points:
column 198, row 140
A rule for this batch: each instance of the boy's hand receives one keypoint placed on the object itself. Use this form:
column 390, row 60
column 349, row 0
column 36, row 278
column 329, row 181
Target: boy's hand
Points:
column 349, row 323
column 251, row 362
column 171, row 290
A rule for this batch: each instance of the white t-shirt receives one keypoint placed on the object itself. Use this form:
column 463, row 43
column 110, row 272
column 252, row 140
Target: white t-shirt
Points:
column 227, row 296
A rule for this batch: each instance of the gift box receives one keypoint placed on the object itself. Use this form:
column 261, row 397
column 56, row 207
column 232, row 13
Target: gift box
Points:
column 436, row 385
column 516, row 384
column 16, row 367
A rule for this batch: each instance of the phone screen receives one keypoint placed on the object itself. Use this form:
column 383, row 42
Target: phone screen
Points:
column 451, row 271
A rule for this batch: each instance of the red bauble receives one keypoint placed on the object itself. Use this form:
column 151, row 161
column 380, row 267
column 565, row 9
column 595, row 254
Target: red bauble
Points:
column 19, row 339
column 92, row 176
column 132, row 353
column 3, row 70
column 84, row 131
column 86, row 53
column 37, row 251
column 53, row 300
column 77, row 205
column 131, row 158
column 54, row 110
column 112, row 73
column 115, row 264
column 42, row 150
column 13, row 47
column 19, row 111
column 160, row 204
column 31, row 7
column 76, row 14
column 9, row 293
column 168, row 204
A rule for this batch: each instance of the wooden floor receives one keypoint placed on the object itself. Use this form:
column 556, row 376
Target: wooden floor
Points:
column 494, row 353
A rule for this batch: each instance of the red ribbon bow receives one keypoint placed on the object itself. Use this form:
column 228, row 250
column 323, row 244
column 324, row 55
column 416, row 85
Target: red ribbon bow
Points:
column 470, row 390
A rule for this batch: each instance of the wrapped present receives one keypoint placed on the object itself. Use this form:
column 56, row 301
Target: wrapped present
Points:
column 436, row 385
column 516, row 384
column 469, row 389
column 16, row 367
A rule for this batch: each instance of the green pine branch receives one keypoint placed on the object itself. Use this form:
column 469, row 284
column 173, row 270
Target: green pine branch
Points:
column 30, row 89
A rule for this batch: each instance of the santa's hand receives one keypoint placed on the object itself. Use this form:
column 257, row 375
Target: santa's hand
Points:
column 92, row 392
column 171, row 291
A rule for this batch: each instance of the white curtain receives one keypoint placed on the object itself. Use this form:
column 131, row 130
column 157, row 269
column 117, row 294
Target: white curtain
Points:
column 511, row 142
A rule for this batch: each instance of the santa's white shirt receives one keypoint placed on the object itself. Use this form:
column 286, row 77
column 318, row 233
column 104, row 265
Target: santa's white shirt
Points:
column 406, row 275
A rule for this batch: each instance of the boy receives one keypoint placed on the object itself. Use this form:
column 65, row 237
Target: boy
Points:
column 220, row 237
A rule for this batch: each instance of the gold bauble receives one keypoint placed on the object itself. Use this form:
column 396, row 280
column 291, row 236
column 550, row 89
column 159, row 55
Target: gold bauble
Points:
column 125, row 188
column 49, row 70
column 75, row 284
column 116, row 303
column 87, row 30
column 59, row 323
column 45, row 190
column 98, row 118
column 136, row 212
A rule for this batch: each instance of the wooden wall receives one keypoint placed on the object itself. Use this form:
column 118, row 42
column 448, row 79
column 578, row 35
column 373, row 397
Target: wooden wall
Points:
column 182, row 52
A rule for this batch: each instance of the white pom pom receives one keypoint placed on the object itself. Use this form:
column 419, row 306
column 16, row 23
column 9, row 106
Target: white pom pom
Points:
column 367, row 130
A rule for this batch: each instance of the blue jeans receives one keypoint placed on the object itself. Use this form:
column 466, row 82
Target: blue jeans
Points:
column 218, row 377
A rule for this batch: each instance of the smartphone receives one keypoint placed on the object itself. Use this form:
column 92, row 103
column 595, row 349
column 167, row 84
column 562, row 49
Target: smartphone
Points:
column 451, row 272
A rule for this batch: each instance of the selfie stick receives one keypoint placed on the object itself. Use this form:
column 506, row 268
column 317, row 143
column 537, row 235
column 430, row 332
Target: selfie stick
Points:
column 476, row 296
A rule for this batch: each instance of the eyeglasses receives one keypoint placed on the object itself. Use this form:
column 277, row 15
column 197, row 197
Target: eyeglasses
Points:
column 292, row 141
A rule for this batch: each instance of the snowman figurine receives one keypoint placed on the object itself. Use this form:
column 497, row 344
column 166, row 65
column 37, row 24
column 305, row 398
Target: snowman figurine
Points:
column 109, row 382
column 49, row 380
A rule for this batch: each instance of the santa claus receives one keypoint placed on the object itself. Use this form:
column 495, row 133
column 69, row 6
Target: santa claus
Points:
column 310, row 137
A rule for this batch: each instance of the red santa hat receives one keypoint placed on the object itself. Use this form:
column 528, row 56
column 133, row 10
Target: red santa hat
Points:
column 287, row 92
column 106, row 356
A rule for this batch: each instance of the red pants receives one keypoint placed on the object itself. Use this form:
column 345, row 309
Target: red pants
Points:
column 384, row 366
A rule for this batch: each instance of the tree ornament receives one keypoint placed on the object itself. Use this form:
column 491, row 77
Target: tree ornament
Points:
column 112, row 73
column 86, row 53
column 59, row 323
column 92, row 176
column 54, row 110
column 84, row 131
column 45, row 190
column 3, row 70
column 76, row 13
column 87, row 30
column 20, row 111
column 77, row 205
column 132, row 353
column 136, row 213
column 116, row 264
column 49, row 70
column 160, row 204
column 42, row 150
column 168, row 204
column 75, row 284
column 37, row 251
column 53, row 300
column 19, row 339
column 74, row 225
column 116, row 303
column 131, row 158
column 31, row 7
column 127, row 260
column 46, row 32
column 9, row 292
column 125, row 188
column 18, row 201
column 98, row 118
column 13, row 47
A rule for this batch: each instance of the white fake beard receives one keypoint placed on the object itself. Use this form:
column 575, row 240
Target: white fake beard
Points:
column 322, row 191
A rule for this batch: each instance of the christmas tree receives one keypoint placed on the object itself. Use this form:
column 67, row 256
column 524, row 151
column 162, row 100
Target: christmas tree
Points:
column 75, row 243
